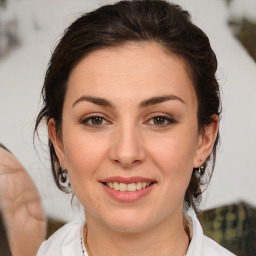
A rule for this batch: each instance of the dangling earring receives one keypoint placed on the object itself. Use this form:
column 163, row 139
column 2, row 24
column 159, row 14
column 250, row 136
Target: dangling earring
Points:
column 200, row 170
column 63, row 178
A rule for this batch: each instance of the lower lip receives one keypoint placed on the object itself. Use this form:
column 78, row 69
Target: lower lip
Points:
column 128, row 196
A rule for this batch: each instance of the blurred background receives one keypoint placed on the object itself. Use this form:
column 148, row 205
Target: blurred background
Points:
column 29, row 30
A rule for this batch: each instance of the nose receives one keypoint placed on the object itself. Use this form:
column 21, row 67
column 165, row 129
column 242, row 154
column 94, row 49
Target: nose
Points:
column 127, row 149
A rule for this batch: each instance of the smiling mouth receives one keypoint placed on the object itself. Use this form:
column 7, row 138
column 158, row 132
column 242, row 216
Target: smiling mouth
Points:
column 130, row 187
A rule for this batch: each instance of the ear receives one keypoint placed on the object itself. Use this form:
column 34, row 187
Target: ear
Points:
column 206, row 142
column 57, row 143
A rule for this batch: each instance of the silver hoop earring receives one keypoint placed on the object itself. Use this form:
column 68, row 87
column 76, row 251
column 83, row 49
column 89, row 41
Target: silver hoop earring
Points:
column 200, row 170
column 63, row 178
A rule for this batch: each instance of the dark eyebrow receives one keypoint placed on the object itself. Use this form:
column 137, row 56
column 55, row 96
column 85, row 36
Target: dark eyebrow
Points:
column 95, row 100
column 143, row 104
column 160, row 99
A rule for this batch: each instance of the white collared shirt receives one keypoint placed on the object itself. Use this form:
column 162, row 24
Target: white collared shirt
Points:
column 67, row 241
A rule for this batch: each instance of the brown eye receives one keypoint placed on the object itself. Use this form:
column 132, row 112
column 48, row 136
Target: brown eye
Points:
column 94, row 121
column 161, row 121
column 97, row 120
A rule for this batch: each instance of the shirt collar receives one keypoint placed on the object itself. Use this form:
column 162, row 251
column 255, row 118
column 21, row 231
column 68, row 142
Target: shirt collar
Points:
column 196, row 246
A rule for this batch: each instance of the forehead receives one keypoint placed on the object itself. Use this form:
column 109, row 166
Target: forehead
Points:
column 138, row 69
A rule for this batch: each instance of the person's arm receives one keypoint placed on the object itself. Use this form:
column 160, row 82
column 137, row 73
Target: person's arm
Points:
column 20, row 206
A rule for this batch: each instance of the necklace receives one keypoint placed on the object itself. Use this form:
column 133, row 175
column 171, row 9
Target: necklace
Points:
column 84, row 245
column 83, row 237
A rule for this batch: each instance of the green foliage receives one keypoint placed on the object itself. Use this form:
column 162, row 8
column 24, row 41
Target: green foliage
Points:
column 228, row 2
column 232, row 226
column 245, row 32
column 2, row 2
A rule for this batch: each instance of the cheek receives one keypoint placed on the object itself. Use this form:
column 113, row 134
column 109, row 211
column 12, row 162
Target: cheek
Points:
column 174, row 153
column 83, row 155
column 83, row 158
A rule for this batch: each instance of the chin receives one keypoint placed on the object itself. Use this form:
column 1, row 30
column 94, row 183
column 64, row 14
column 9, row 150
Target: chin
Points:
column 128, row 227
column 128, row 222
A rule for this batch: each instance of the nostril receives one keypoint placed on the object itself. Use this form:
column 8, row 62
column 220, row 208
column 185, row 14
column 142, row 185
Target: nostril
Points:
column 127, row 163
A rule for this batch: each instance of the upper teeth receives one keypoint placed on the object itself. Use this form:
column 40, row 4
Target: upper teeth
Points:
column 128, row 187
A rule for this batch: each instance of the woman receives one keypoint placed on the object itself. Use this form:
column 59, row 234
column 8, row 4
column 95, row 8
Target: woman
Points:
column 132, row 107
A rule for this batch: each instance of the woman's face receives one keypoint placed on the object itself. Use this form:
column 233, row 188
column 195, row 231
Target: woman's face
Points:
column 130, row 135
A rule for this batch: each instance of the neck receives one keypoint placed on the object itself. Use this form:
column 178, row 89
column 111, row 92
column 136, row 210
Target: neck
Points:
column 166, row 238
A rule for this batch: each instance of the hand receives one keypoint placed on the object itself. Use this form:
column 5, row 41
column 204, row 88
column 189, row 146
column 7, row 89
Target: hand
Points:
column 20, row 206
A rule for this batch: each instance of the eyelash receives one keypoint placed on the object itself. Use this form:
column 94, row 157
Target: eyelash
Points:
column 167, row 121
column 90, row 119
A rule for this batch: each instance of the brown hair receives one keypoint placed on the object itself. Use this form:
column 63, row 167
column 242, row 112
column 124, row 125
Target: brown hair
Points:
column 135, row 21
